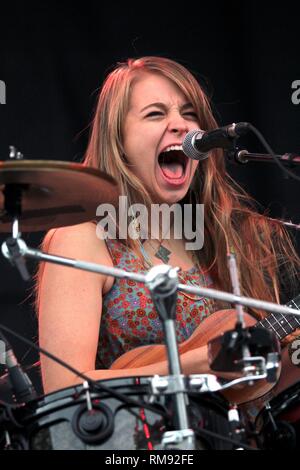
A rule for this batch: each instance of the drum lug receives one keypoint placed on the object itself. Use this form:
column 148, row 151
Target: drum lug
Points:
column 7, row 441
column 89, row 404
column 204, row 383
column 179, row 439
column 237, row 430
column 167, row 384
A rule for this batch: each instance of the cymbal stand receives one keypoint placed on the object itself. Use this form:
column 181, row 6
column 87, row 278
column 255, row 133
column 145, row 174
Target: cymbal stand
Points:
column 240, row 330
column 162, row 281
column 241, row 349
column 13, row 246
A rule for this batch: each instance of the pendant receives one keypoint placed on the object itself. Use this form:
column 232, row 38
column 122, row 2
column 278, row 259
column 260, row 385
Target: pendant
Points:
column 163, row 254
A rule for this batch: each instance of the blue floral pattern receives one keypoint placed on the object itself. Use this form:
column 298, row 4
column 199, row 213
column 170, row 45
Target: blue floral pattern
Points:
column 129, row 318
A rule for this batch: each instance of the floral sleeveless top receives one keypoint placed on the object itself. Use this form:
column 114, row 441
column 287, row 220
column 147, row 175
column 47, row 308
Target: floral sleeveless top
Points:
column 129, row 318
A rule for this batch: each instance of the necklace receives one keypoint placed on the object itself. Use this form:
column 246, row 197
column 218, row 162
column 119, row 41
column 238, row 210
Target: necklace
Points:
column 163, row 254
column 164, row 258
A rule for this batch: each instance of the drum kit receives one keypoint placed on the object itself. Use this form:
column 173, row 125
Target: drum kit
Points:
column 155, row 412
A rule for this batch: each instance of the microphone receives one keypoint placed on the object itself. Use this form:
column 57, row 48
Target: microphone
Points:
column 197, row 143
column 20, row 382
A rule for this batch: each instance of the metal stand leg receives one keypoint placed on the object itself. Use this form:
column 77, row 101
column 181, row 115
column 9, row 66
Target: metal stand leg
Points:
column 162, row 282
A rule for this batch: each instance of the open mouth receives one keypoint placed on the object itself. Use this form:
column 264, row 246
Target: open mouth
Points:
column 173, row 163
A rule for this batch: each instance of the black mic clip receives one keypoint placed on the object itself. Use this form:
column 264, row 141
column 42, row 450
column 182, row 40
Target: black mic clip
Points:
column 198, row 143
column 226, row 352
column 21, row 385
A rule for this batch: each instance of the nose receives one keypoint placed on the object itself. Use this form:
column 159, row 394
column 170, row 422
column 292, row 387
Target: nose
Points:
column 177, row 124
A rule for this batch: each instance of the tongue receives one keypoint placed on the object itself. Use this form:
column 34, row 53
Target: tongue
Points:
column 172, row 170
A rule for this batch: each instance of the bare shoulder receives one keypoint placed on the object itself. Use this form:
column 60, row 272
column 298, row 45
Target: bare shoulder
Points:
column 75, row 239
column 80, row 242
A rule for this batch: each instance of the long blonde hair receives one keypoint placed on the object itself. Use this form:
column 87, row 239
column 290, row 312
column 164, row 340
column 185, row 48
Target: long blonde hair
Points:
column 231, row 218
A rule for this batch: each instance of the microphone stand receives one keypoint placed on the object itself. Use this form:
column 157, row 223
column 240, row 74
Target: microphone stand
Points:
column 22, row 387
column 241, row 347
column 38, row 255
column 162, row 281
column 243, row 156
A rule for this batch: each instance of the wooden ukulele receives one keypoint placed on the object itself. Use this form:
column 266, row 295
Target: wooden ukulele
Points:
column 215, row 325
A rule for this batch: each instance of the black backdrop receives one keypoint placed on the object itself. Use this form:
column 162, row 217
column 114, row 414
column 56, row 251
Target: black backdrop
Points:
column 54, row 56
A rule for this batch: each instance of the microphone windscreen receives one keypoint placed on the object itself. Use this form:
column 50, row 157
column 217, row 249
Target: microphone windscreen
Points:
column 189, row 148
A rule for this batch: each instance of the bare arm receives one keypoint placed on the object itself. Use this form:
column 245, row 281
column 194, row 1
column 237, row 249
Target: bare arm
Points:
column 70, row 303
column 192, row 362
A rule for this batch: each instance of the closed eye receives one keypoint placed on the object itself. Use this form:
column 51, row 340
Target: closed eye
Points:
column 192, row 114
column 160, row 113
column 154, row 113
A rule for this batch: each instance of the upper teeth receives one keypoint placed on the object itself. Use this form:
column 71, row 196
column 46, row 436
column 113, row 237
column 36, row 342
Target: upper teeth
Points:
column 173, row 147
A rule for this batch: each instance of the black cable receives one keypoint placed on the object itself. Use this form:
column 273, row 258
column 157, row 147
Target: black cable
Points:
column 205, row 432
column 95, row 385
column 120, row 396
column 271, row 152
column 200, row 432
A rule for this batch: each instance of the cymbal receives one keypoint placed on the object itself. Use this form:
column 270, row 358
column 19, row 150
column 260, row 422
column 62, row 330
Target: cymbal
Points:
column 54, row 193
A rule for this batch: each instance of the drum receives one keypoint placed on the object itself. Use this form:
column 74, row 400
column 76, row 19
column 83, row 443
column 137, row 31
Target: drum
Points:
column 74, row 418
column 278, row 425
